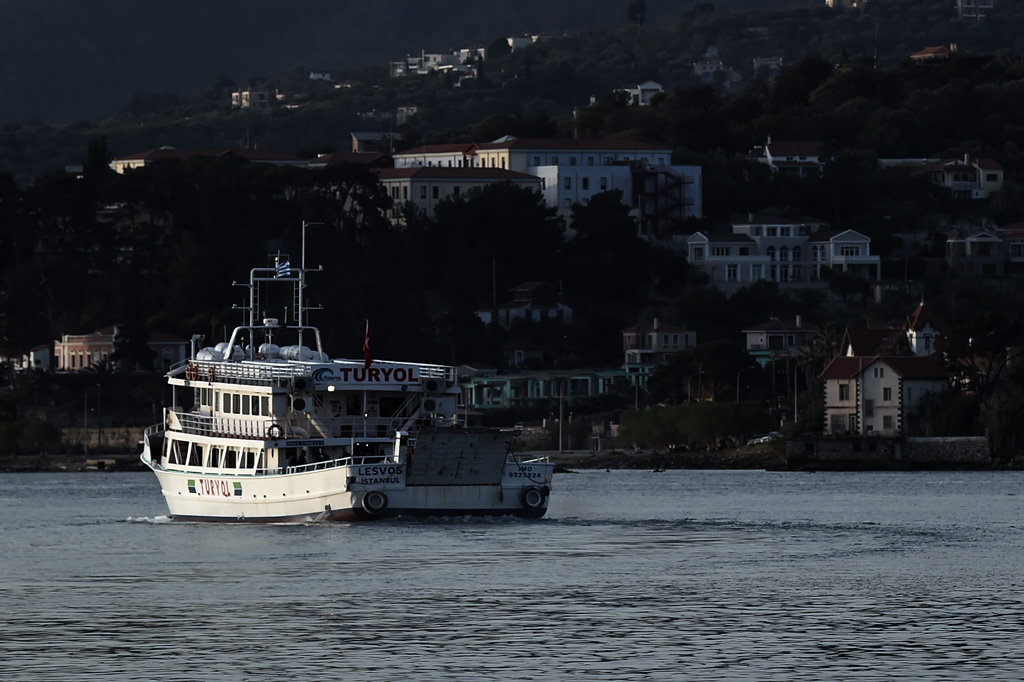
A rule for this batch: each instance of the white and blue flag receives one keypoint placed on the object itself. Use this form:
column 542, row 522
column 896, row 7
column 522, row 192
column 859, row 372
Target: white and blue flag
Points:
column 284, row 269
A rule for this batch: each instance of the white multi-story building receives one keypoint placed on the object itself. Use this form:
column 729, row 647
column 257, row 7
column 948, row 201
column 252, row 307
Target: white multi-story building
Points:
column 572, row 171
column 789, row 252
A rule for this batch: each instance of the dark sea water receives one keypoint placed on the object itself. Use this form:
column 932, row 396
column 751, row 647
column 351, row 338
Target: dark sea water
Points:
column 681, row 575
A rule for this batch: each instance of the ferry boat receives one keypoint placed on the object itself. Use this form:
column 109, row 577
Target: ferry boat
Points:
column 266, row 432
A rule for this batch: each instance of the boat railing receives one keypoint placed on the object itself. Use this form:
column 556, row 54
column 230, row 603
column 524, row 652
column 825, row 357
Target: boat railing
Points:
column 251, row 372
column 299, row 426
column 327, row 464
column 227, row 427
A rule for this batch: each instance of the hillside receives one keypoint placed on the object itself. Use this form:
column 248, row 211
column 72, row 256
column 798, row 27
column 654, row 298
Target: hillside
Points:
column 66, row 60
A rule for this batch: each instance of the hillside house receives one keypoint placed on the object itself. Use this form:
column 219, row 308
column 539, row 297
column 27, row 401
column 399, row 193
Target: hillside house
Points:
column 978, row 252
column 76, row 352
column 878, row 395
column 778, row 338
column 793, row 158
column 640, row 95
column 790, row 252
column 648, row 345
column 536, row 301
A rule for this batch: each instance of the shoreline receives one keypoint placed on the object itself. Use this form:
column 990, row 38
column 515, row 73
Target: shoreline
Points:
column 763, row 458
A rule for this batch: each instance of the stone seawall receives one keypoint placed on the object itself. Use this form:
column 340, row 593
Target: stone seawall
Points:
column 887, row 453
column 108, row 440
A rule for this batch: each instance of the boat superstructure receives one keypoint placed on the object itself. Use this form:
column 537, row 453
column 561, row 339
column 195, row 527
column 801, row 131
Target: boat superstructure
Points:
column 260, row 431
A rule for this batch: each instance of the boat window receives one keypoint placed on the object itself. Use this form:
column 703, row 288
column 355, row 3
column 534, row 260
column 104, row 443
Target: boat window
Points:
column 250, row 459
column 236, row 403
column 256, row 405
column 230, row 458
column 227, row 402
column 245, row 404
column 265, row 406
column 195, row 455
column 214, row 457
column 174, row 457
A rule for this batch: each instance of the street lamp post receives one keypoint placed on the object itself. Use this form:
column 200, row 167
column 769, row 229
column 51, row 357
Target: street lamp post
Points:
column 738, row 375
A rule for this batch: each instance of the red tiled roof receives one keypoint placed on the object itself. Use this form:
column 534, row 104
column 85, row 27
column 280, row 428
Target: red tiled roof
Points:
column 776, row 324
column 845, row 367
column 921, row 316
column 465, row 148
column 915, row 367
column 784, row 148
column 571, row 144
column 648, row 327
column 865, row 342
column 361, row 158
column 172, row 153
column 906, row 367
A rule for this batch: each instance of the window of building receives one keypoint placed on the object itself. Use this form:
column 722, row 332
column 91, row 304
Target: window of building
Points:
column 731, row 273
column 604, row 184
column 849, row 250
column 844, row 391
column 608, row 160
column 887, row 394
column 785, row 231
column 783, row 254
column 697, row 253
column 756, row 272
column 536, row 161
column 568, row 183
column 456, row 190
column 887, row 422
column 879, row 372
column 720, row 251
column 423, row 191
column 771, row 253
column 744, row 250
column 796, row 253
column 771, row 231
column 554, row 160
column 586, row 182
column 405, row 192
column 435, row 191
column 869, row 408
column 590, row 160
column 572, row 160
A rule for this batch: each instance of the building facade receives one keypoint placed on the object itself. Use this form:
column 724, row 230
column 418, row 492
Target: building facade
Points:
column 76, row 352
column 878, row 395
column 423, row 188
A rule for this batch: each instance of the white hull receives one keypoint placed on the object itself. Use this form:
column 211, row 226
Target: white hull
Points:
column 346, row 493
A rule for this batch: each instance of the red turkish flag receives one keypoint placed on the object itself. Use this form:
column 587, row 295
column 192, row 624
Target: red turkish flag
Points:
column 366, row 347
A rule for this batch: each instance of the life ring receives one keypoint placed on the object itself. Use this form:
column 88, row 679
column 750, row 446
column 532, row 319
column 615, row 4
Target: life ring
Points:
column 374, row 502
column 532, row 498
column 211, row 374
column 274, row 432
